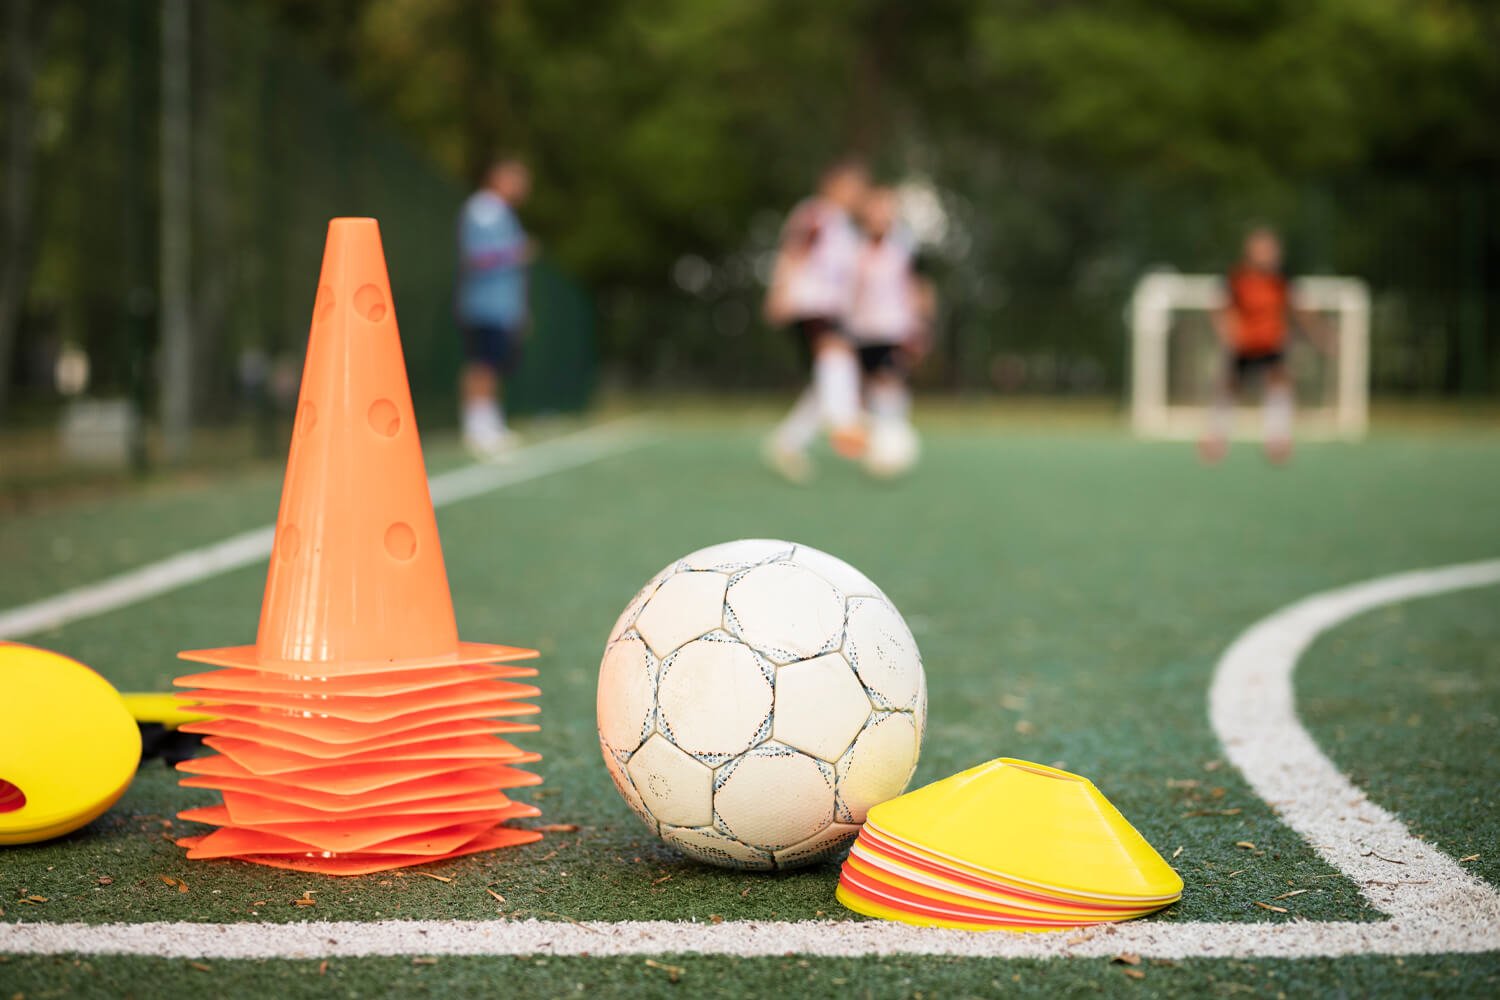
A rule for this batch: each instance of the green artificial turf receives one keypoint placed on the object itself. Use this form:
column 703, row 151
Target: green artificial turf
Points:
column 69, row 543
column 669, row 976
column 1406, row 700
column 1071, row 592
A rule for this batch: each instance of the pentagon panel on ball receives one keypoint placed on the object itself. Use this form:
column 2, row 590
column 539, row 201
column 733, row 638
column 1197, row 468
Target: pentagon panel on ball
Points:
column 756, row 699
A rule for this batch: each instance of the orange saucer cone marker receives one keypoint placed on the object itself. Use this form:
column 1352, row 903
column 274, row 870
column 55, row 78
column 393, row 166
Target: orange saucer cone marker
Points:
column 358, row 733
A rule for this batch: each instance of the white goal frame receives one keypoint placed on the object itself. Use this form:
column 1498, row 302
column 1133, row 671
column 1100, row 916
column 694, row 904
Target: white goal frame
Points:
column 1160, row 293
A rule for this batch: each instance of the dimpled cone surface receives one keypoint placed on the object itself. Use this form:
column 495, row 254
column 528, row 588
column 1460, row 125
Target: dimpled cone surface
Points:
column 358, row 733
column 1031, row 825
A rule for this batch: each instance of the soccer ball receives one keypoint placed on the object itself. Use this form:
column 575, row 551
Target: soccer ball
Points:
column 756, row 698
column 893, row 449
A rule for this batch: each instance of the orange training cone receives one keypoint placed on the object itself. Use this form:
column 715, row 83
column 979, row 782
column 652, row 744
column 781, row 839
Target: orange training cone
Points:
column 358, row 733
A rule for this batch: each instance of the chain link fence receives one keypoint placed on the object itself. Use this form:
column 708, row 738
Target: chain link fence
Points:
column 1039, row 260
column 178, row 162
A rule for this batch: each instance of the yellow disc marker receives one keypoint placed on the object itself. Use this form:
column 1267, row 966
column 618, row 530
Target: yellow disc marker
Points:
column 68, row 745
column 1031, row 826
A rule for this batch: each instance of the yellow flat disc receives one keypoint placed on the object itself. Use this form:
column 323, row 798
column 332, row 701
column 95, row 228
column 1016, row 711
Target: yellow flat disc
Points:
column 68, row 746
column 169, row 710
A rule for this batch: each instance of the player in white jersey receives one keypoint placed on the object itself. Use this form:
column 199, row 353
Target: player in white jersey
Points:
column 812, row 290
column 889, row 324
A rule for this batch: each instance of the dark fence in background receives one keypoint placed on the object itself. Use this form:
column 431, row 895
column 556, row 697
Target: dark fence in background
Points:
column 276, row 149
column 1041, row 259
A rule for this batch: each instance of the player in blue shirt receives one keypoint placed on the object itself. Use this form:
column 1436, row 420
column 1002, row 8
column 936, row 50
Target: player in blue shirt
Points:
column 494, row 252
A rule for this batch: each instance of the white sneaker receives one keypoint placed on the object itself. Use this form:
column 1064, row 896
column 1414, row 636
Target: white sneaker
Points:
column 492, row 445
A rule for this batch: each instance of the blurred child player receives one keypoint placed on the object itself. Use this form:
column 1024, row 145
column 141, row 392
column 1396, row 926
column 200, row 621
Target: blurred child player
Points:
column 1253, row 328
column 492, row 304
column 812, row 290
column 889, row 325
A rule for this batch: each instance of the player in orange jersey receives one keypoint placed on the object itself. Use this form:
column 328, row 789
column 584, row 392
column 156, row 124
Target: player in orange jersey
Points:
column 1253, row 328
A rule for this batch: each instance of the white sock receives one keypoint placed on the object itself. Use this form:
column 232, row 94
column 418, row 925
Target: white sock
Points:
column 797, row 430
column 836, row 378
column 1221, row 415
column 890, row 400
column 894, row 446
column 483, row 419
column 473, row 415
column 1278, row 413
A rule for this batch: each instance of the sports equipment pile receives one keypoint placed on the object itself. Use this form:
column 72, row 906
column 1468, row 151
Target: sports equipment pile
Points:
column 358, row 733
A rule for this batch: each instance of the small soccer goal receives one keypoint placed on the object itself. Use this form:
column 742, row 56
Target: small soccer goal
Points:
column 1176, row 358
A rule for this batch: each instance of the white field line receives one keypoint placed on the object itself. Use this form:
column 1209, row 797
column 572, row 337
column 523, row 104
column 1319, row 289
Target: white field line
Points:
column 247, row 548
column 743, row 938
column 1435, row 908
column 1253, row 710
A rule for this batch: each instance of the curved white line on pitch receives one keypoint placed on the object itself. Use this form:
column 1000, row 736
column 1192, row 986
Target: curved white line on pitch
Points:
column 1435, row 906
column 1253, row 711
column 250, row 547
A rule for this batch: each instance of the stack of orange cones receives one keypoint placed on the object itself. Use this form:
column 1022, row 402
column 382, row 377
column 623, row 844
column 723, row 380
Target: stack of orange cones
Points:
column 1008, row 845
column 358, row 733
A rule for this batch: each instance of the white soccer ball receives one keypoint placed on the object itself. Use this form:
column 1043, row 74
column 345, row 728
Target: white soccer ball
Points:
column 893, row 449
column 756, row 699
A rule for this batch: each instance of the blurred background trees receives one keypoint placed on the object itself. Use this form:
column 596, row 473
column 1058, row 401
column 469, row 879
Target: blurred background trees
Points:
column 1064, row 148
column 1073, row 144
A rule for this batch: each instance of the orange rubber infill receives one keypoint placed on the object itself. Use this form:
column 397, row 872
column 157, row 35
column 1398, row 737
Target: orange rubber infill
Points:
column 358, row 733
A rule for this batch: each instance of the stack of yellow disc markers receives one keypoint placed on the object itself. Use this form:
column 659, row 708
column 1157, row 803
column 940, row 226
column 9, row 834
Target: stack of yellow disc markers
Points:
column 1007, row 845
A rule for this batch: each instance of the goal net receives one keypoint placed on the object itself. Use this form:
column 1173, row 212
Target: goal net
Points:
column 1176, row 358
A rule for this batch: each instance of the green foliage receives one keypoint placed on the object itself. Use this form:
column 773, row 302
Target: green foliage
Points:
column 1075, row 143
column 1248, row 90
column 693, row 114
